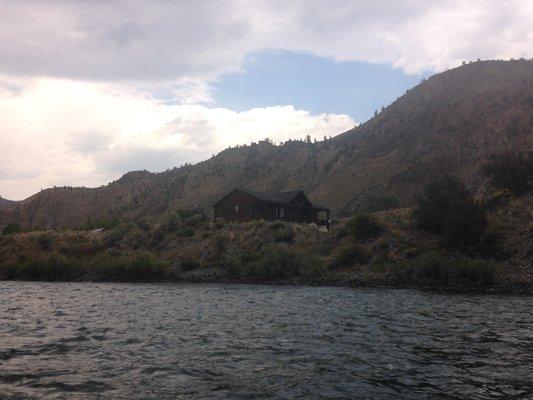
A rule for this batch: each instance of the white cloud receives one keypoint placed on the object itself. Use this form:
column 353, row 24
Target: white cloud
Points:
column 158, row 41
column 63, row 132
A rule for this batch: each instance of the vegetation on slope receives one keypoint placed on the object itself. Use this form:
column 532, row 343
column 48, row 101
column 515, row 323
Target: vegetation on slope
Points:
column 379, row 249
column 453, row 121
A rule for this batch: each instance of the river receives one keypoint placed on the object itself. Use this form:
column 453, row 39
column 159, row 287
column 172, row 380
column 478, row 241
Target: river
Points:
column 172, row 341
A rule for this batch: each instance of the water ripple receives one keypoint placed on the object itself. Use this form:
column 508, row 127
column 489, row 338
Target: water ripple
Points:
column 166, row 341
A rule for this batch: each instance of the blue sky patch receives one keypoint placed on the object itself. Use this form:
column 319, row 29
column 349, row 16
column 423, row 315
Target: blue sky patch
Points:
column 312, row 83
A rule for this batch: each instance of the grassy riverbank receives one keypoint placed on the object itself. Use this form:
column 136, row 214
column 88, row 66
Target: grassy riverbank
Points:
column 378, row 250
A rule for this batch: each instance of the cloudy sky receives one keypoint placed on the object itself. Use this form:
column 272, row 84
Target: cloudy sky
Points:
column 92, row 89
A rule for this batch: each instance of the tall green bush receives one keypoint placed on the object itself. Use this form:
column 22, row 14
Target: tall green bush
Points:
column 511, row 170
column 362, row 227
column 349, row 255
column 448, row 209
column 11, row 228
column 435, row 203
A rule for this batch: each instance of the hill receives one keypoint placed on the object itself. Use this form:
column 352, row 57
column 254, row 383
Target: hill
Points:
column 4, row 203
column 452, row 121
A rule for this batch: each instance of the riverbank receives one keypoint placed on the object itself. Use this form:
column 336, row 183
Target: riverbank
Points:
column 389, row 255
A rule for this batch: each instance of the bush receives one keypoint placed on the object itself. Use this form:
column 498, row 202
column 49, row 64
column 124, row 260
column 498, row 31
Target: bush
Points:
column 476, row 271
column 440, row 269
column 436, row 201
column 402, row 271
column 362, row 227
column 51, row 268
column 104, row 267
column 144, row 223
column 464, row 225
column 188, row 264
column 281, row 232
column 384, row 202
column 171, row 224
column 511, row 170
column 348, row 255
column 102, row 223
column 11, row 228
column 448, row 209
column 218, row 223
column 275, row 262
column 186, row 232
column 432, row 267
column 139, row 266
column 45, row 242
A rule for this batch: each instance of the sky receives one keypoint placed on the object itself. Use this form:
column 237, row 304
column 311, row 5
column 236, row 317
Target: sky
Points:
column 92, row 90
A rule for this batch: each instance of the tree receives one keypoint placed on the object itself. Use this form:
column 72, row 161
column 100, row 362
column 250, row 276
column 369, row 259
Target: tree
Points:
column 511, row 170
column 465, row 224
column 436, row 201
column 449, row 210
column 11, row 228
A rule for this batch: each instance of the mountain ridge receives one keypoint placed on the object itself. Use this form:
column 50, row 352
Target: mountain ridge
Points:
column 4, row 203
column 452, row 121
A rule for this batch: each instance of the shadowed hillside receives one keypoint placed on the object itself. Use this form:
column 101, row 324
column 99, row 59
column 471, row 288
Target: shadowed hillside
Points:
column 452, row 121
column 4, row 203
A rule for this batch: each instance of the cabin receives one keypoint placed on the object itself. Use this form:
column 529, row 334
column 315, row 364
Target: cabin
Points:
column 246, row 205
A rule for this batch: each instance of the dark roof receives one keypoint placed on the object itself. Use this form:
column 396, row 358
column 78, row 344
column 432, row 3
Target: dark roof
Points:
column 279, row 197
column 318, row 207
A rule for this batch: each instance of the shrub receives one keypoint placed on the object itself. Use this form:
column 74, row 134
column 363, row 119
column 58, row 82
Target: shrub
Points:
column 313, row 268
column 281, row 232
column 464, row 225
column 50, row 268
column 448, row 209
column 186, row 232
column 511, row 170
column 45, row 242
column 11, row 228
column 362, row 227
column 183, row 214
column 104, row 267
column 276, row 262
column 103, row 223
column 171, row 224
column 273, row 263
column 440, row 269
column 436, row 201
column 348, row 255
column 402, row 271
column 188, row 264
column 139, row 266
column 432, row 267
column 476, row 271
column 195, row 220
column 144, row 223
column 384, row 202
column 235, row 263
column 218, row 223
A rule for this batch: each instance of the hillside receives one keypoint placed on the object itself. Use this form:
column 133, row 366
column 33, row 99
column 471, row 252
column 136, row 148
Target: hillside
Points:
column 4, row 203
column 453, row 121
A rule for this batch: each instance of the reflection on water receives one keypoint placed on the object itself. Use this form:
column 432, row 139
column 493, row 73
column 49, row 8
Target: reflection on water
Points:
column 83, row 340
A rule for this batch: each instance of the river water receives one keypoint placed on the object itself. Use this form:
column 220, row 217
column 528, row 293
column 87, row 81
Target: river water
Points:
column 143, row 341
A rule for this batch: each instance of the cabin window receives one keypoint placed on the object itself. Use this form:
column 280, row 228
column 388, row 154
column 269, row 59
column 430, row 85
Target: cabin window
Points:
column 282, row 213
column 236, row 208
